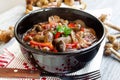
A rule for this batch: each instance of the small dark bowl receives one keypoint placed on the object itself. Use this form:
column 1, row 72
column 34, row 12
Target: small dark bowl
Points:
column 61, row 62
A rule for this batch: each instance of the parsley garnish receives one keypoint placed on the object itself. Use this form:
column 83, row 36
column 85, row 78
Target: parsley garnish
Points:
column 64, row 29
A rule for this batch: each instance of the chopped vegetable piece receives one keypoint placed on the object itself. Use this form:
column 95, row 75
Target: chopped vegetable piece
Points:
column 57, row 35
column 47, row 44
column 71, row 25
column 82, row 29
column 72, row 45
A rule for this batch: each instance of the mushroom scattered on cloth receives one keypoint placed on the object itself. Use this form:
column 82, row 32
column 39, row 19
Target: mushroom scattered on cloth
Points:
column 6, row 35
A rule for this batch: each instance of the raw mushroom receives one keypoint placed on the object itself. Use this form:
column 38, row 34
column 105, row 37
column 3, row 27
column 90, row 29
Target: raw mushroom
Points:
column 112, row 38
column 103, row 17
column 69, row 2
column 6, row 35
column 116, row 45
column 29, row 5
column 109, row 50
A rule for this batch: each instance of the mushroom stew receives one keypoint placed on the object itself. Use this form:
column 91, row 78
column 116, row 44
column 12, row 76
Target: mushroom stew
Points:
column 60, row 35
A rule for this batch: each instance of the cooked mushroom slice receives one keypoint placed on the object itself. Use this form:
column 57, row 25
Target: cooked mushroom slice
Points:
column 65, row 39
column 38, row 38
column 116, row 45
column 80, row 22
column 64, row 22
column 48, row 37
column 60, row 46
column 73, row 36
column 53, row 19
column 37, row 27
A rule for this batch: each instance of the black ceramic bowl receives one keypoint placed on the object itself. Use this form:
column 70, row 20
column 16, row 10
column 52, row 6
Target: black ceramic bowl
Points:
column 58, row 62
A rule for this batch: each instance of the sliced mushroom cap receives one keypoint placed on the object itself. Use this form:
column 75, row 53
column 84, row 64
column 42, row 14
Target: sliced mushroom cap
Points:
column 65, row 39
column 37, row 27
column 60, row 46
column 64, row 22
column 80, row 22
column 48, row 37
column 38, row 38
column 52, row 19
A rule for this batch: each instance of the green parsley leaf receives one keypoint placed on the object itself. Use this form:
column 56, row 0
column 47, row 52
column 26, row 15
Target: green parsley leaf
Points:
column 64, row 29
column 60, row 28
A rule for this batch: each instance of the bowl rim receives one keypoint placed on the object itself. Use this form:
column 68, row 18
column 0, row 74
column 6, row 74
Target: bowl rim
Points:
column 82, row 51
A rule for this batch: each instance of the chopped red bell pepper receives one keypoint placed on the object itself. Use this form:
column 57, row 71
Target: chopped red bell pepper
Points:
column 57, row 35
column 72, row 45
column 82, row 29
column 71, row 25
column 27, row 37
column 55, row 50
column 47, row 44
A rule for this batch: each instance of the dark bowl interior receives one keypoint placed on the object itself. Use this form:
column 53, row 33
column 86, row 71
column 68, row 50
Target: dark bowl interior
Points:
column 42, row 15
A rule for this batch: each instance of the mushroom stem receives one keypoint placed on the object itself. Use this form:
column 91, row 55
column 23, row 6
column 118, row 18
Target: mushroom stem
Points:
column 112, row 26
column 103, row 18
column 115, row 53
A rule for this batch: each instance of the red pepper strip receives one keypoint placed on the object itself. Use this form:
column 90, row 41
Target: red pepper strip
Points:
column 82, row 29
column 47, row 44
column 57, row 35
column 55, row 50
column 71, row 25
column 72, row 45
column 26, row 38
